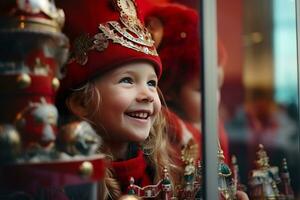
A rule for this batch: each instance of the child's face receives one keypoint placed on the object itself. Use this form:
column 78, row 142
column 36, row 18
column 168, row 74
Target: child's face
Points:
column 189, row 98
column 129, row 102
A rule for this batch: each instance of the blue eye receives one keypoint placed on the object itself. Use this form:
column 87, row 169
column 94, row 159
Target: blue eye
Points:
column 126, row 80
column 152, row 83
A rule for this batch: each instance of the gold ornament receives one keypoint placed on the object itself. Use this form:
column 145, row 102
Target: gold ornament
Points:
column 86, row 169
column 23, row 81
column 127, row 7
column 55, row 83
column 190, row 153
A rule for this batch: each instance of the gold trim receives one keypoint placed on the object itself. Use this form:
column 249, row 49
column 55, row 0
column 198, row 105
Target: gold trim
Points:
column 143, row 39
column 84, row 43
column 127, row 7
column 109, row 33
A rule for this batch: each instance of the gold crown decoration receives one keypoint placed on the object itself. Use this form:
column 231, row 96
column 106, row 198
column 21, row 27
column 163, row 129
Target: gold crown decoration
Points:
column 129, row 19
column 129, row 32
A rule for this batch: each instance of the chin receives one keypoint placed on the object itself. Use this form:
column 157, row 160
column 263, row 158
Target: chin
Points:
column 140, row 137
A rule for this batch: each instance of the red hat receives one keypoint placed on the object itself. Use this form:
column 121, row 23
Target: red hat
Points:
column 104, row 34
column 179, row 49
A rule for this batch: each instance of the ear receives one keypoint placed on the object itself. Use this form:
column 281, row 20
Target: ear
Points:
column 76, row 104
column 156, row 28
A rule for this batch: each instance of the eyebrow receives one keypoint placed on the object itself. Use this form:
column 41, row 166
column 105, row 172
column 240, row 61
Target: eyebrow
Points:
column 153, row 76
column 132, row 72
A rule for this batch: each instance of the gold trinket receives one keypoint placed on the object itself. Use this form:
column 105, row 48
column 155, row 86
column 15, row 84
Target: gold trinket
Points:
column 86, row 169
column 23, row 81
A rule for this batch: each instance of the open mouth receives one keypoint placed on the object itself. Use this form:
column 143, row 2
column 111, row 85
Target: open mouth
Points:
column 139, row 114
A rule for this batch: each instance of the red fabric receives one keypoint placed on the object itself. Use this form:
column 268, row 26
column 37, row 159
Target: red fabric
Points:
column 135, row 167
column 84, row 17
column 15, row 100
column 179, row 50
column 175, row 133
column 54, row 174
column 196, row 133
column 174, row 128
column 197, row 137
column 49, row 63
column 40, row 85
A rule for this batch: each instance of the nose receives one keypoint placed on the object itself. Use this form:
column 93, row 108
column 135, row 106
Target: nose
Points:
column 145, row 95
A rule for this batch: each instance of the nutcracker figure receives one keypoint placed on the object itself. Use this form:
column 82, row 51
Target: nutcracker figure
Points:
column 264, row 179
column 32, row 51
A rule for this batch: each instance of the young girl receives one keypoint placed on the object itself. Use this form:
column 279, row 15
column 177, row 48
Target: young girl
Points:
column 111, row 82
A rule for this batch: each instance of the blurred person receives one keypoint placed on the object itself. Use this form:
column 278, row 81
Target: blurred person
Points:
column 176, row 30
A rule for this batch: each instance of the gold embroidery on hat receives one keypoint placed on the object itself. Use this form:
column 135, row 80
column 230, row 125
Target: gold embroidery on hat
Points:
column 84, row 43
column 133, row 34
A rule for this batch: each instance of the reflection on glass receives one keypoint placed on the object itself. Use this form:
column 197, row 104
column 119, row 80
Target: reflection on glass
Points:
column 259, row 96
column 285, row 51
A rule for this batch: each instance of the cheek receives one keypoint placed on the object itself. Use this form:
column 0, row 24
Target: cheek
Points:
column 115, row 105
column 110, row 106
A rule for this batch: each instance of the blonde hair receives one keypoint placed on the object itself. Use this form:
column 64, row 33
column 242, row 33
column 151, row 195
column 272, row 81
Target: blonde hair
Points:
column 154, row 146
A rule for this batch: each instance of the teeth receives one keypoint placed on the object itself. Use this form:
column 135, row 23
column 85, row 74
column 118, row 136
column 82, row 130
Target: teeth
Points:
column 141, row 115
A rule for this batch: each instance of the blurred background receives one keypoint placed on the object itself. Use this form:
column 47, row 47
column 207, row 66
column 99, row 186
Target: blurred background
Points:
column 259, row 95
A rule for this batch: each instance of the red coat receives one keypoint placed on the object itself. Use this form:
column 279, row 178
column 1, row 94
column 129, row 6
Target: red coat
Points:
column 136, row 168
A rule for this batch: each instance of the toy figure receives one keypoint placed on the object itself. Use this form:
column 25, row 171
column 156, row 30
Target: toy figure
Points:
column 235, row 174
column 192, row 180
column 38, row 123
column 285, row 185
column 29, row 70
column 32, row 50
column 227, row 186
column 264, row 179
column 78, row 138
